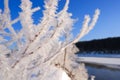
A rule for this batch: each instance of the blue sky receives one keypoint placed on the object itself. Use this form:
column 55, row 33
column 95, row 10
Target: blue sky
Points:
column 108, row 24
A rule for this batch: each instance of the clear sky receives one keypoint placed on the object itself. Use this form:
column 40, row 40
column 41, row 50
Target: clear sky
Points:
column 108, row 24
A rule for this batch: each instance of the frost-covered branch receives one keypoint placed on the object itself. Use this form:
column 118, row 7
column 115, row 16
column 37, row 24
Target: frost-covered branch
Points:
column 35, row 49
column 88, row 25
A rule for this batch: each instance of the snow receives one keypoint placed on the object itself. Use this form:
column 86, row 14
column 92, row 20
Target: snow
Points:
column 109, row 62
column 97, row 54
column 65, row 76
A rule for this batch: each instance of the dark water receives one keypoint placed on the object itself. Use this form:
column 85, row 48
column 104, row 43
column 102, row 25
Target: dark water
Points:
column 103, row 73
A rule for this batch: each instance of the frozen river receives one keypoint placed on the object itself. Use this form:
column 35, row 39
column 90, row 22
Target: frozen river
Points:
column 95, row 64
column 103, row 73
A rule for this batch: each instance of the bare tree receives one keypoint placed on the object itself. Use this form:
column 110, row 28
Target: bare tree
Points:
column 44, row 51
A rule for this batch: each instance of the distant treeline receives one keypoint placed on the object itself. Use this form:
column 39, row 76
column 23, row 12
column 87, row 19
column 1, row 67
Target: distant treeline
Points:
column 109, row 45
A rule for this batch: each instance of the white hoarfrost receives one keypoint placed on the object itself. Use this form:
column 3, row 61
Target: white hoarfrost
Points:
column 43, row 51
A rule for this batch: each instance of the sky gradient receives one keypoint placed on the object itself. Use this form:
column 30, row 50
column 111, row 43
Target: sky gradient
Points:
column 108, row 24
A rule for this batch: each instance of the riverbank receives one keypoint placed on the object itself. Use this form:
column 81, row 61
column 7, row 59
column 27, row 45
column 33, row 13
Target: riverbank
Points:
column 108, row 62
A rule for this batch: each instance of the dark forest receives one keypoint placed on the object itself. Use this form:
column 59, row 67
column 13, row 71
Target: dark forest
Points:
column 108, row 45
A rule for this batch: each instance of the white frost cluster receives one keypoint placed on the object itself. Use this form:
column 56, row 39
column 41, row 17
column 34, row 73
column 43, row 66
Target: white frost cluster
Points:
column 43, row 51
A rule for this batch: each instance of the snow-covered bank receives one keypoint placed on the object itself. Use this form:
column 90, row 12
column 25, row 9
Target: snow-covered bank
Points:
column 97, row 54
column 109, row 62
